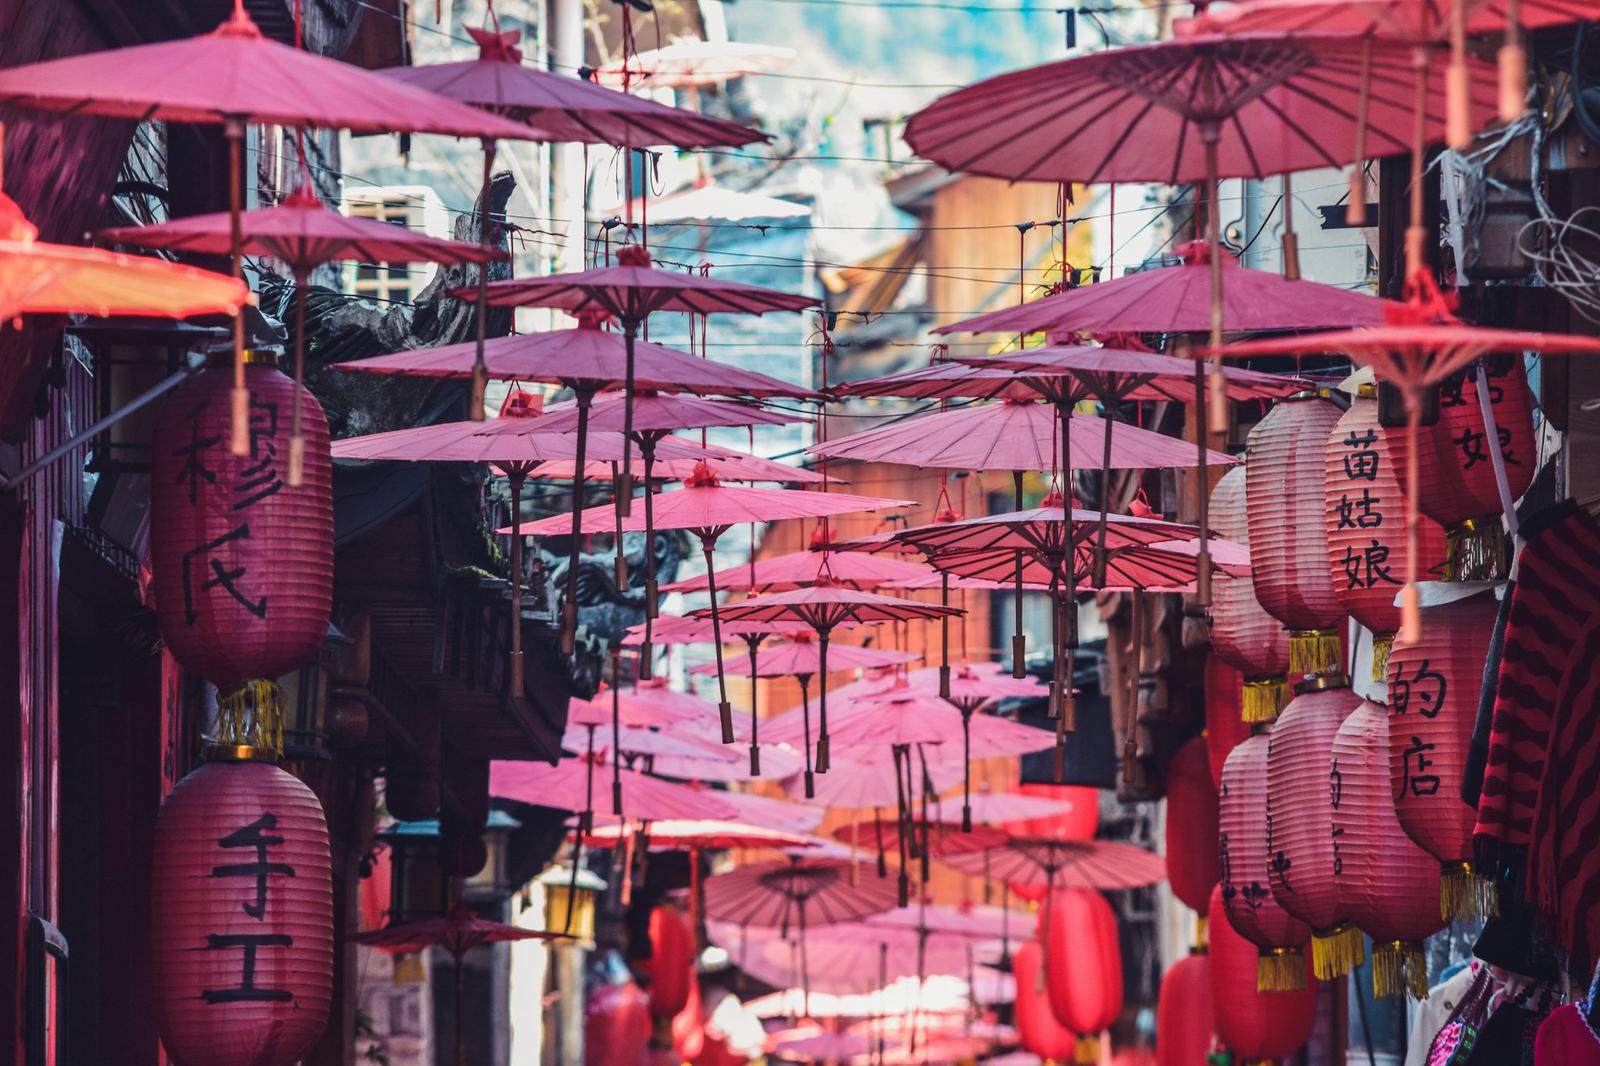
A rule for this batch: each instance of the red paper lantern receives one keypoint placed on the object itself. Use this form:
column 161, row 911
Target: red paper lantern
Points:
column 1256, row 1026
column 1366, row 524
column 671, row 963
column 242, row 562
column 1083, row 965
column 1243, row 634
column 1079, row 823
column 243, row 917
column 1433, row 704
column 616, row 1026
column 1191, row 826
column 1300, row 823
column 1457, row 473
column 1225, row 729
column 1245, row 871
column 1037, row 1027
column 1288, row 541
column 1387, row 885
column 1183, row 1013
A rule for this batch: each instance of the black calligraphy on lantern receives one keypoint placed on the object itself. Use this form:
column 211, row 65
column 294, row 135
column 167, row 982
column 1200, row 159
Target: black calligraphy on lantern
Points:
column 1359, row 512
column 1225, row 866
column 1367, row 567
column 1362, row 461
column 1426, row 685
column 1460, row 389
column 260, row 869
column 1281, row 864
column 1473, row 452
column 194, row 470
column 1256, row 894
column 228, row 578
column 1414, row 763
column 260, row 477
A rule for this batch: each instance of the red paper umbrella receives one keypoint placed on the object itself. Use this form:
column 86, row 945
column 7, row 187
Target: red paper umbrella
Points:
column 1083, row 965
column 1288, row 539
column 729, row 464
column 1364, row 508
column 855, row 785
column 780, row 573
column 1226, row 729
column 680, row 834
column 1434, row 684
column 1242, row 633
column 1191, row 830
column 800, row 656
column 1041, row 1032
column 844, row 958
column 1244, row 866
column 824, row 1047
column 690, row 63
column 568, row 786
column 1183, row 1012
column 647, row 703
column 58, row 279
column 1255, row 1024
column 1300, row 813
column 1386, row 883
column 942, row 381
column 1099, row 864
column 678, row 629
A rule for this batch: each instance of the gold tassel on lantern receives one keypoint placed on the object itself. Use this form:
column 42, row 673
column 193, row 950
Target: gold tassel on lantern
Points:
column 1263, row 698
column 1280, row 970
column 1398, row 966
column 1088, row 1051
column 1382, row 645
column 1337, row 952
column 1201, row 936
column 1477, row 550
column 1315, row 651
column 249, row 723
column 1465, row 895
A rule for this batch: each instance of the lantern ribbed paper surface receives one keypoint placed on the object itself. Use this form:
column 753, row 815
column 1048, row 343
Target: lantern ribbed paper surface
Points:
column 242, row 562
column 1083, row 965
column 1457, row 474
column 1183, row 1012
column 1433, row 704
column 616, row 1025
column 1300, row 809
column 1225, row 729
column 1191, row 832
column 1037, row 1026
column 1244, row 869
column 1387, row 885
column 1366, row 523
column 243, row 917
column 1254, row 1025
column 1243, row 634
column 1288, row 541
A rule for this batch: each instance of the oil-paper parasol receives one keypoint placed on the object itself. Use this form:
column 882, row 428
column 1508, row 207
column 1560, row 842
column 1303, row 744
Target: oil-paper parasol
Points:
column 646, row 703
column 691, row 63
column 303, row 234
column 233, row 77
column 792, row 570
column 1096, row 864
column 458, row 932
column 680, row 629
column 854, row 784
column 823, row 1047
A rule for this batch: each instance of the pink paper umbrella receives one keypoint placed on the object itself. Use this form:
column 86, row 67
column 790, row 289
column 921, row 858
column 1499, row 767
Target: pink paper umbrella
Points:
column 707, row 508
column 780, row 573
column 854, row 784
column 823, row 1047
column 304, row 235
column 942, row 380
column 233, row 77
column 690, row 63
column 677, row 629
column 729, row 464
column 1098, row 864
column 647, row 703
column 458, row 932
column 825, row 606
column 845, row 958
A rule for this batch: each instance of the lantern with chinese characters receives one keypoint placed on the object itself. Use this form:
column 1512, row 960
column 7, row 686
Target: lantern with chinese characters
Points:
column 1244, row 869
column 1433, row 704
column 1225, row 729
column 1083, row 965
column 243, row 917
column 1366, row 523
column 670, row 966
column 1387, row 885
column 1457, row 472
column 241, row 561
column 1288, row 541
column 1191, row 826
column 1183, row 1012
column 1300, row 822
column 1257, row 1026
column 1243, row 634
column 1037, row 1027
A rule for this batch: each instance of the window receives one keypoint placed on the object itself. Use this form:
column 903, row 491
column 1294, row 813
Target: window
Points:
column 413, row 207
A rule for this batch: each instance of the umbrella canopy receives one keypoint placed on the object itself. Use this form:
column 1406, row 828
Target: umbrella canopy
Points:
column 797, row 892
column 678, row 629
column 845, row 957
column 633, row 741
column 568, row 786
column 1097, row 864
column 647, row 703
column 801, row 655
column 1164, row 566
column 1070, row 373
column 691, row 63
column 941, row 381
column 458, row 932
column 972, row 685
column 792, row 570
column 728, row 464
column 769, row 812
column 909, row 718
column 1012, row 436
column 852, row 783
column 567, row 108
column 507, row 442
column 712, row 761
column 1406, row 20
column 1038, row 529
column 823, row 1047
column 655, row 414
column 682, row 834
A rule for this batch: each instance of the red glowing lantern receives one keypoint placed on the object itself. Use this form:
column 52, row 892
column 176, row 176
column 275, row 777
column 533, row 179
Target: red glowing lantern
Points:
column 616, row 1026
column 1387, row 885
column 1256, row 1026
column 1433, row 704
column 1183, row 1013
column 1288, row 541
column 1191, row 826
column 1243, row 634
column 1457, row 474
column 242, row 562
column 1245, row 871
column 243, row 917
column 1083, row 965
column 1300, row 823
column 671, row 963
column 1078, row 823
column 1037, row 1027
column 1366, row 516
column 1225, row 728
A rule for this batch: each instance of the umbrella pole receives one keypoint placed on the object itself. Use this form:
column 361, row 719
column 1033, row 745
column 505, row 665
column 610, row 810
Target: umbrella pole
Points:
column 1355, row 204
column 1513, row 69
column 883, row 983
column 616, row 730
column 1019, row 639
column 1212, row 417
column 647, row 449
column 883, row 859
column 966, row 770
column 461, row 1041
column 630, row 331
column 696, row 903
column 805, row 718
column 1109, row 420
column 1067, row 628
column 619, row 566
column 944, row 636
column 805, row 965
column 1458, row 84
column 1416, row 235
column 1410, row 599
column 1135, row 647
column 822, row 702
column 569, row 609
column 480, row 371
column 239, row 398
column 297, row 444
column 752, row 641
column 515, row 475
column 724, row 708
column 901, row 828
column 585, row 821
